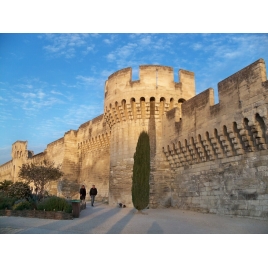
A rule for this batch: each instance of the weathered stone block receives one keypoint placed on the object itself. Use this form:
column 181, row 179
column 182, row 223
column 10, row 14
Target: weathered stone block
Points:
column 255, row 213
column 263, row 202
column 243, row 212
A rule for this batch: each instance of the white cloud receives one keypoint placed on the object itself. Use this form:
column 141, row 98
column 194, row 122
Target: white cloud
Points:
column 73, row 118
column 66, row 44
column 127, row 50
column 93, row 85
column 197, row 46
column 143, row 49
column 56, row 92
column 95, row 35
column 110, row 39
column 5, row 115
column 82, row 113
column 107, row 41
column 28, row 95
column 90, row 48
column 68, row 85
column 232, row 46
column 111, row 57
column 106, row 73
column 134, row 35
column 33, row 97
column 39, row 94
column 25, row 86
column 145, row 41
column 122, row 55
column 232, row 55
column 85, row 79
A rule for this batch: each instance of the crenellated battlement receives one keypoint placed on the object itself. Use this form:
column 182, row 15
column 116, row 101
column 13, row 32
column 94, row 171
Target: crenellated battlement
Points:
column 150, row 77
column 154, row 93
column 236, row 125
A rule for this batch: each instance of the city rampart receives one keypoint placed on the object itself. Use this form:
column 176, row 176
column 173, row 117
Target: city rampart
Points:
column 218, row 153
column 6, row 171
column 204, row 156
column 93, row 154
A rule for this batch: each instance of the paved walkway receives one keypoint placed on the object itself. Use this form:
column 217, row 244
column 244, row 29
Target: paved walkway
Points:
column 103, row 219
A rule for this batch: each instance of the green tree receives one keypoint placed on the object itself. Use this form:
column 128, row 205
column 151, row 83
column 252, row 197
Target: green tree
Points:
column 19, row 190
column 40, row 174
column 141, row 173
column 4, row 186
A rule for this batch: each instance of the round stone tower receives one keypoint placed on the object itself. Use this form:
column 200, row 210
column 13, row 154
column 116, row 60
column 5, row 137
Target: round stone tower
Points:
column 133, row 106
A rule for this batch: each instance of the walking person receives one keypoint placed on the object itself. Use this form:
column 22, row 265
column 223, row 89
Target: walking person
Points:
column 93, row 192
column 83, row 193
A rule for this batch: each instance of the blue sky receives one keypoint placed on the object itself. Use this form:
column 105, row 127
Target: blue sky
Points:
column 51, row 83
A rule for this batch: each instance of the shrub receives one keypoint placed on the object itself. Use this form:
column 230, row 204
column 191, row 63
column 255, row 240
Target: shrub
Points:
column 22, row 205
column 54, row 202
column 6, row 202
column 4, row 187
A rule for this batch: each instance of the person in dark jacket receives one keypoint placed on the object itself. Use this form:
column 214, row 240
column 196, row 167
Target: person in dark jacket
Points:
column 93, row 192
column 83, row 192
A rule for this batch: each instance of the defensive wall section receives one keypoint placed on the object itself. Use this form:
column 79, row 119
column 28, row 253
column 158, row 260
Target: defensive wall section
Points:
column 6, row 171
column 205, row 157
column 83, row 156
column 217, row 154
column 93, row 156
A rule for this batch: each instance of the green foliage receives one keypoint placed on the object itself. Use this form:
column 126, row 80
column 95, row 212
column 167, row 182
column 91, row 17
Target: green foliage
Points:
column 54, row 202
column 22, row 205
column 141, row 173
column 6, row 202
column 4, row 186
column 10, row 192
column 19, row 190
column 40, row 174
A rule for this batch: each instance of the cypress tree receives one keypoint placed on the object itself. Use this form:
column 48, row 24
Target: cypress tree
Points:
column 141, row 173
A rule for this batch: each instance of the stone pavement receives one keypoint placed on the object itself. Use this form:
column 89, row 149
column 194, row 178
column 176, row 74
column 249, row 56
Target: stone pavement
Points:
column 103, row 219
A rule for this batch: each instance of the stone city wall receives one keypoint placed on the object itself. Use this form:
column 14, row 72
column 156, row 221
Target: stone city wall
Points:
column 6, row 171
column 204, row 156
column 93, row 152
column 218, row 153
